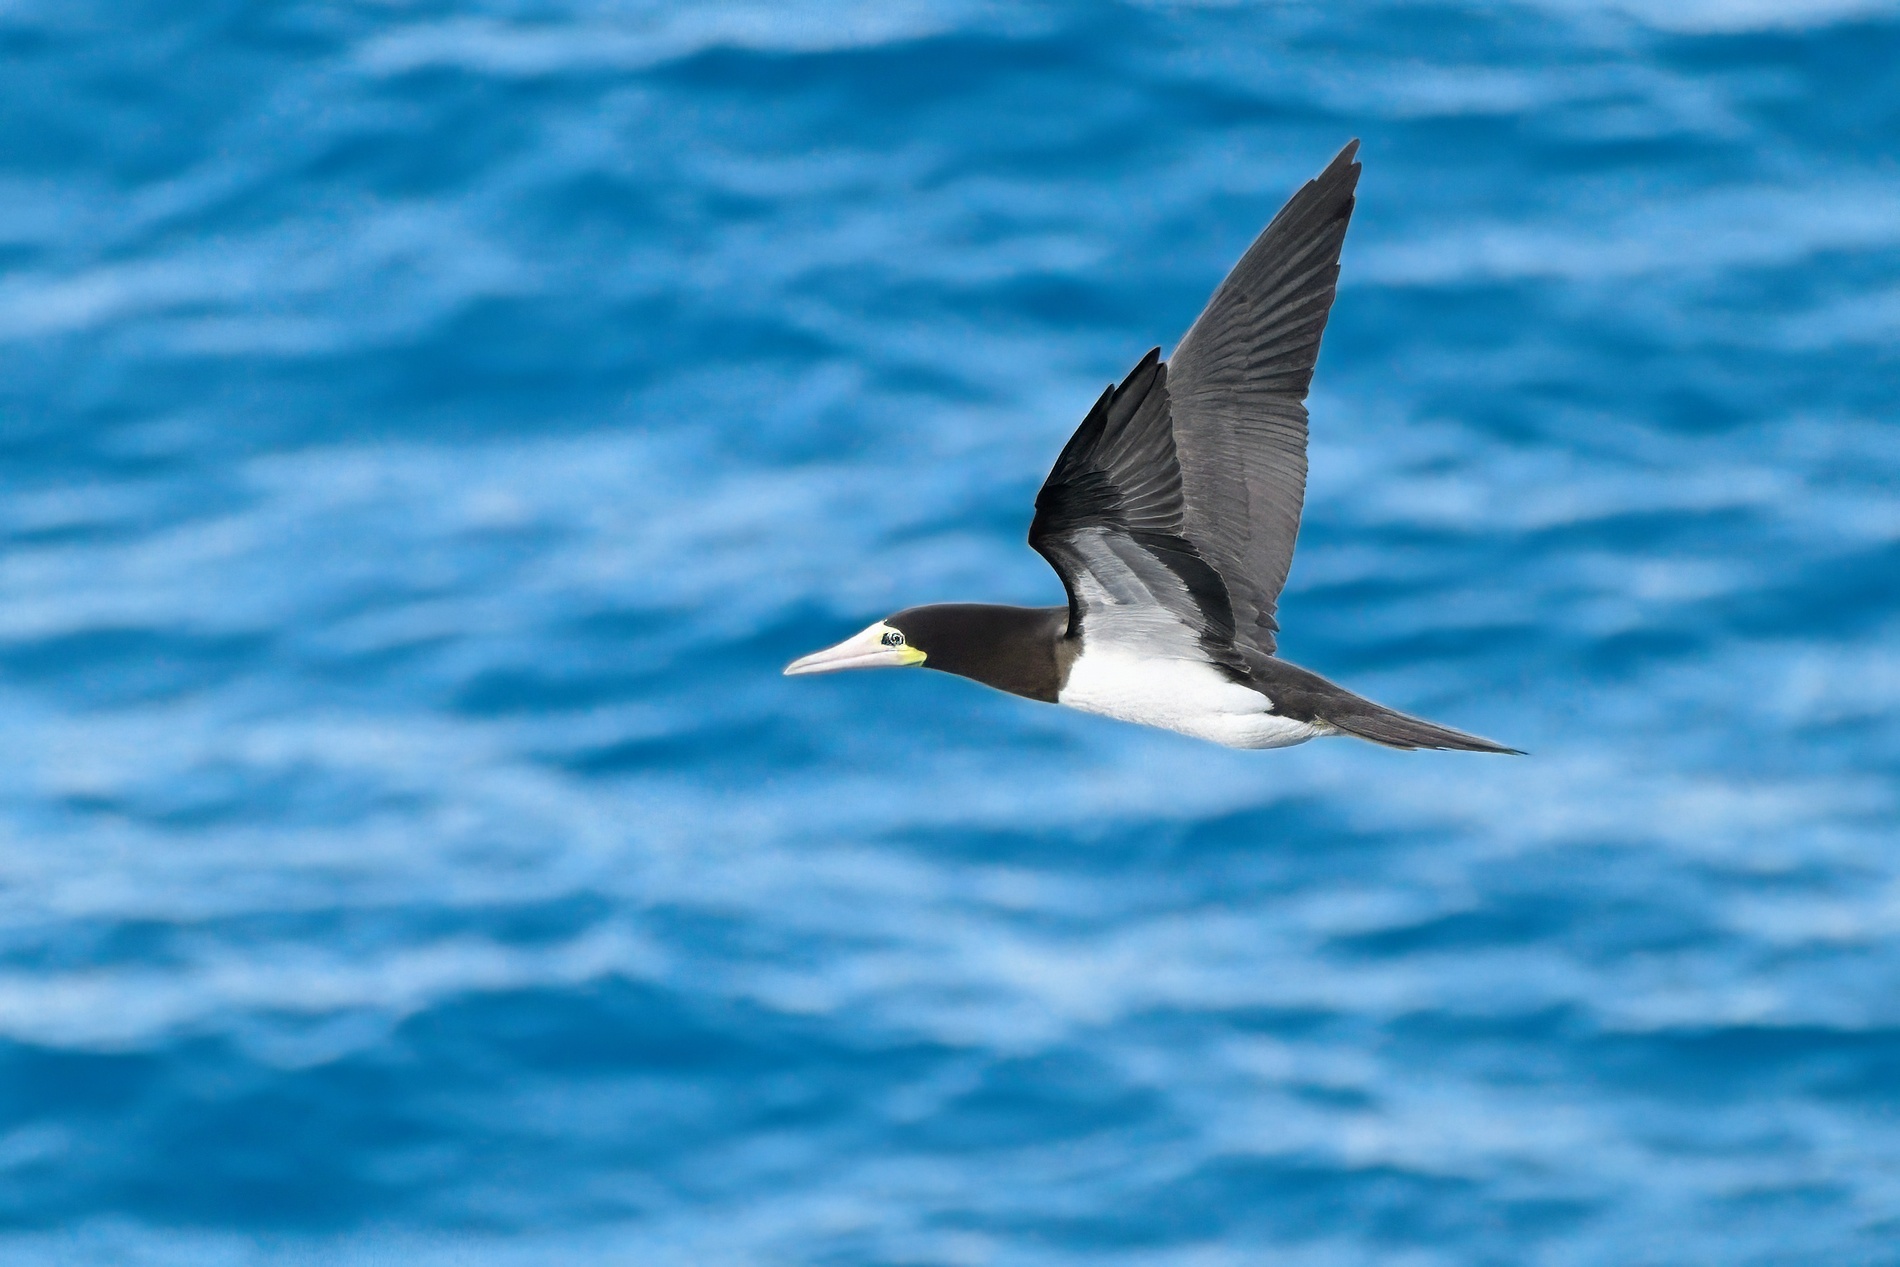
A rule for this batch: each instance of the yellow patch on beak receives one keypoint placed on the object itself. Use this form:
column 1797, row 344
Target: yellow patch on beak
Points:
column 879, row 647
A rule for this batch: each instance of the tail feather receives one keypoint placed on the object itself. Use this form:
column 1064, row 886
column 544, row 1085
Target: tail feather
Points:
column 1306, row 696
column 1367, row 720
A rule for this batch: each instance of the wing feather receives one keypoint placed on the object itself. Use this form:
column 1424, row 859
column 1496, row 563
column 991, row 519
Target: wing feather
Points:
column 1238, row 386
column 1110, row 521
column 1172, row 511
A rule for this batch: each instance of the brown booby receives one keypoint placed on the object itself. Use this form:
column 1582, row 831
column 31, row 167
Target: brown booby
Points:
column 1170, row 517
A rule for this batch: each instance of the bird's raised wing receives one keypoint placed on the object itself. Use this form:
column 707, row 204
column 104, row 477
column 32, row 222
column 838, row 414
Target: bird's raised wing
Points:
column 1110, row 520
column 1238, row 384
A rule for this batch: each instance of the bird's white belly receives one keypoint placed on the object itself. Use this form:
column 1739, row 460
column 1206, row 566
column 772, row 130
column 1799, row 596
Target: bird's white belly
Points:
column 1189, row 696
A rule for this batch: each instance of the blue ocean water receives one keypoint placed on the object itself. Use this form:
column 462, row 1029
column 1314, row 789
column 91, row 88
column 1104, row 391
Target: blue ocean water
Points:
column 429, row 428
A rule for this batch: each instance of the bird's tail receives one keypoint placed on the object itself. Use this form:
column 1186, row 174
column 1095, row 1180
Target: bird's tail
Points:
column 1367, row 720
column 1306, row 696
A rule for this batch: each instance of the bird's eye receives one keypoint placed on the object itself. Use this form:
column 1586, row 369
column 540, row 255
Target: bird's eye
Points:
column 893, row 639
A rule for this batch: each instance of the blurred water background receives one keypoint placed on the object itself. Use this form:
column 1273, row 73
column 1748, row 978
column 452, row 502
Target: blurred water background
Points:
column 429, row 428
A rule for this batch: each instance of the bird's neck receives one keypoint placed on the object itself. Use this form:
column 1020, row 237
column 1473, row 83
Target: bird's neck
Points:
column 1014, row 649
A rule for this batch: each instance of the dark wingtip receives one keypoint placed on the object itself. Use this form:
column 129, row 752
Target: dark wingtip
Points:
column 1344, row 162
column 1137, row 379
column 1348, row 161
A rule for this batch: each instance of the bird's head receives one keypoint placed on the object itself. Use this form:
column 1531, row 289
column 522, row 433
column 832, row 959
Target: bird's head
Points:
column 886, row 645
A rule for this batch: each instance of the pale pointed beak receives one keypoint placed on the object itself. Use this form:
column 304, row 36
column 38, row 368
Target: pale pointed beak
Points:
column 865, row 650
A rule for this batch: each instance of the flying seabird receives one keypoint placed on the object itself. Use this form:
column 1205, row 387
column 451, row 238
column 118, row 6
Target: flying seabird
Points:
column 1170, row 517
